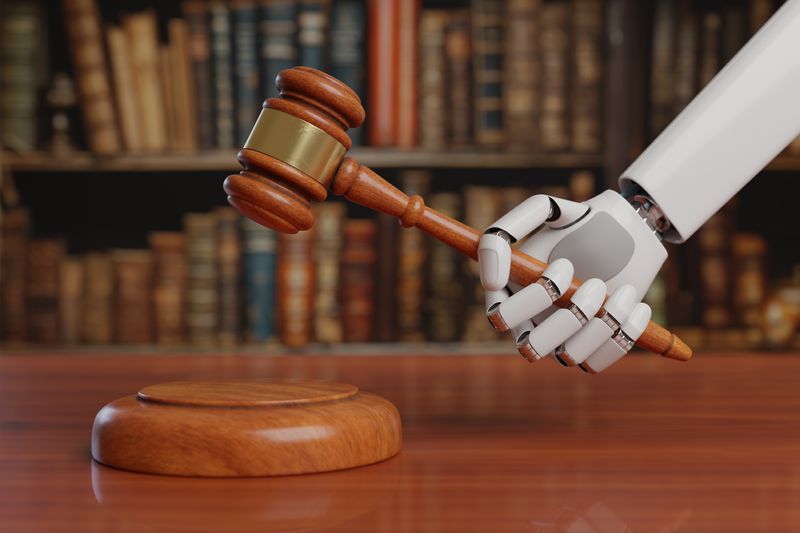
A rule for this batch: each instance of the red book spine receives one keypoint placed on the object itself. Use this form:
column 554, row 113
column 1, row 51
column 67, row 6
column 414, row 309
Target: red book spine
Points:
column 383, row 59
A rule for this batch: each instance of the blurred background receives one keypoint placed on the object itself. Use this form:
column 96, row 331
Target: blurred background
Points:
column 120, row 120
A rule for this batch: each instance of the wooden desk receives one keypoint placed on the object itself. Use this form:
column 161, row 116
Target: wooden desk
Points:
column 492, row 444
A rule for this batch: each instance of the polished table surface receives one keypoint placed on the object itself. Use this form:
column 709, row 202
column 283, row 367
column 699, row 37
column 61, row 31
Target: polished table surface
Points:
column 491, row 444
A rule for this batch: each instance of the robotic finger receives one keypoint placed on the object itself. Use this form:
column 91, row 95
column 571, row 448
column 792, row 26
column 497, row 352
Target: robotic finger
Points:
column 621, row 343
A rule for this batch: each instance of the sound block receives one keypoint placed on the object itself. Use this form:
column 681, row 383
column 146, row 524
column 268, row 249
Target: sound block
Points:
column 240, row 428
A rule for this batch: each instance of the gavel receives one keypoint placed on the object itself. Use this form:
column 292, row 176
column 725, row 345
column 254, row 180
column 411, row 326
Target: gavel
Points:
column 296, row 152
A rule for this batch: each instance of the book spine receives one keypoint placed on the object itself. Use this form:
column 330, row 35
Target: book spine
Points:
column 89, row 62
column 312, row 32
column 98, row 315
column 133, row 290
column 222, row 65
column 458, row 47
column 169, row 291
column 202, row 316
column 488, row 26
column 295, row 279
column 70, row 299
column 445, row 290
column 21, row 52
column 521, row 75
column 259, row 272
column 554, row 39
column 184, row 98
column 407, row 72
column 347, row 49
column 734, row 30
column 165, row 77
column 13, row 274
column 245, row 42
column 200, row 53
column 229, row 259
column 411, row 258
column 382, row 71
column 432, row 86
column 750, row 279
column 327, row 255
column 760, row 12
column 710, row 47
column 124, row 89
column 662, row 83
column 358, row 279
column 713, row 241
column 587, row 75
column 278, row 41
column 386, row 302
column 685, row 59
column 44, row 261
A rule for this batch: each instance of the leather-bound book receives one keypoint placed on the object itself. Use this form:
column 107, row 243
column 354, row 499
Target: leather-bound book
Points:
column 662, row 74
column 142, row 34
column 133, row 296
column 196, row 13
column 295, row 279
column 184, row 97
column 165, row 78
column 587, row 75
column 554, row 43
column 734, row 30
column 169, row 287
column 521, row 73
column 382, row 105
column 14, row 229
column 44, row 268
column 432, row 81
column 85, row 36
column 411, row 258
column 359, row 256
column 713, row 243
column 760, row 12
column 488, row 26
column 98, row 291
column 458, row 47
column 124, row 89
column 21, row 54
column 202, row 315
column 313, row 19
column 259, row 280
column 229, row 259
column 482, row 207
column 245, row 66
column 222, row 71
column 710, row 49
column 70, row 299
column 329, row 219
column 278, row 31
column 407, row 72
column 385, row 292
column 445, row 295
column 685, row 57
column 348, row 27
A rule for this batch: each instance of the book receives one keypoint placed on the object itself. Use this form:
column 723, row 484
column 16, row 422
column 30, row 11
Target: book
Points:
column 70, row 299
column 245, row 69
column 713, row 266
column 165, row 78
column 521, row 75
column 445, row 294
column 44, row 268
column 432, row 83
column 760, row 12
column 196, row 13
column 184, row 97
column 329, row 219
column 142, row 36
column 685, row 58
column 202, row 314
column 382, row 106
column 734, row 31
column 411, row 258
column 488, row 24
column 278, row 31
column 749, row 278
column 169, row 286
column 295, row 285
column 98, row 291
column 359, row 255
column 124, row 89
column 14, row 231
column 582, row 185
column 407, row 72
column 710, row 51
column 385, row 295
column 312, row 33
column 85, row 39
column 458, row 48
column 133, row 290
column 22, row 54
column 554, row 38
column 222, row 74
column 259, row 279
column 229, row 261
column 662, row 83
column 587, row 75
column 347, row 49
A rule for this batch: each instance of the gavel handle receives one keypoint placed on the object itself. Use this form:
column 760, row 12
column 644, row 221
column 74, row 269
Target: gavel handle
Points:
column 363, row 186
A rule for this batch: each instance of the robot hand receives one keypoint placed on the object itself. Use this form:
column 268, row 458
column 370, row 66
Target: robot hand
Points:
column 610, row 243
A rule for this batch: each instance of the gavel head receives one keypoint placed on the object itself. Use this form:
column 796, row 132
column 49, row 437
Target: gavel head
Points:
column 291, row 156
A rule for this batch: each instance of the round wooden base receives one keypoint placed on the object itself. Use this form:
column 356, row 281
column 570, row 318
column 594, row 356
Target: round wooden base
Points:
column 239, row 428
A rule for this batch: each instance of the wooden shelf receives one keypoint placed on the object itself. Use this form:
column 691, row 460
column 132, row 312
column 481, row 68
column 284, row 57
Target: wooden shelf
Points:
column 225, row 161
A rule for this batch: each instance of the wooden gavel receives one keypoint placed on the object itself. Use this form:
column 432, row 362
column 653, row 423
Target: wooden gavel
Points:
column 296, row 152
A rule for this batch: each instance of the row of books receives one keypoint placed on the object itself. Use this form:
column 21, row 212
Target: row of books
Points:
column 523, row 74
column 225, row 280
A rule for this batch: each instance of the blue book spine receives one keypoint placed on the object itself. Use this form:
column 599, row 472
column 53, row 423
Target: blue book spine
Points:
column 278, row 42
column 347, row 48
column 312, row 22
column 259, row 265
column 222, row 65
column 245, row 48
